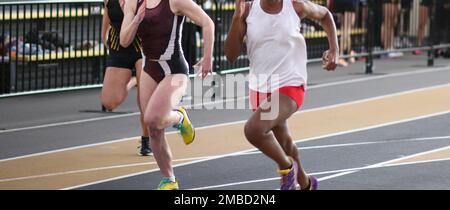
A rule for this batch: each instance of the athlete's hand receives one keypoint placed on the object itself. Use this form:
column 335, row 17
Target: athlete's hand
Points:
column 239, row 9
column 330, row 59
column 140, row 13
column 204, row 67
column 122, row 4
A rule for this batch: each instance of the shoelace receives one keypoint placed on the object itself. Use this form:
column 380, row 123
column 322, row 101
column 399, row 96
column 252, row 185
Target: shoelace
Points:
column 284, row 180
column 178, row 126
column 163, row 182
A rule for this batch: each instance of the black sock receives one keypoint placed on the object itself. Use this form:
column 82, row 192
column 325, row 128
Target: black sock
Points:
column 145, row 140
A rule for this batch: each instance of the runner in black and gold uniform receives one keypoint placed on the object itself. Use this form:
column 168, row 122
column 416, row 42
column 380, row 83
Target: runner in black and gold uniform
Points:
column 121, row 65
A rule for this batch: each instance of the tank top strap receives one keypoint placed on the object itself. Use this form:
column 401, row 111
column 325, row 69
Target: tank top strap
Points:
column 255, row 7
column 139, row 3
column 287, row 8
column 290, row 8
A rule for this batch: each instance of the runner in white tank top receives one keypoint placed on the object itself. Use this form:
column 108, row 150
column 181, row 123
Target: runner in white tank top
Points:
column 276, row 48
column 277, row 54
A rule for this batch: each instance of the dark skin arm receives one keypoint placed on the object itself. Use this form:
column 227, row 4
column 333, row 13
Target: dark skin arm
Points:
column 304, row 9
column 238, row 29
column 307, row 9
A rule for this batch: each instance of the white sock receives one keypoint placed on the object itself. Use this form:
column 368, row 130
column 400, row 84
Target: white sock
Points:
column 181, row 118
column 171, row 178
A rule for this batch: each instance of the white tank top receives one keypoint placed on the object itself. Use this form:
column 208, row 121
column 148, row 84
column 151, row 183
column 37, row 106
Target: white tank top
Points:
column 276, row 48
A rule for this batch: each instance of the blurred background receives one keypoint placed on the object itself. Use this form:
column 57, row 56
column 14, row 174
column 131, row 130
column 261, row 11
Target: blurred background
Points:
column 54, row 44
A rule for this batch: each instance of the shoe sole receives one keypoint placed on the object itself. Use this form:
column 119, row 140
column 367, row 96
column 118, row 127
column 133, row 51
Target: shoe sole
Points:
column 314, row 183
column 150, row 154
column 193, row 137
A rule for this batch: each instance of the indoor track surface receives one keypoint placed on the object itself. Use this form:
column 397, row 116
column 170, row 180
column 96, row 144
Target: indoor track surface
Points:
column 389, row 130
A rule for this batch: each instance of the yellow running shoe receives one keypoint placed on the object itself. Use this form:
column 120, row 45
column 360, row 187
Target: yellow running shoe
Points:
column 186, row 128
column 167, row 184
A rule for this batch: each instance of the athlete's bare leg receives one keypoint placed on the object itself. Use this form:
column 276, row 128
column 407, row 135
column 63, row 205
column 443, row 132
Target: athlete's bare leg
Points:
column 159, row 115
column 259, row 131
column 423, row 21
column 281, row 133
column 114, row 90
column 139, row 72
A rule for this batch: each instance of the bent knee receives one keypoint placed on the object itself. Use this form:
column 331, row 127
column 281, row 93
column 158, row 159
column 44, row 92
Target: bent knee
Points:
column 156, row 134
column 253, row 132
column 110, row 104
column 112, row 101
column 154, row 122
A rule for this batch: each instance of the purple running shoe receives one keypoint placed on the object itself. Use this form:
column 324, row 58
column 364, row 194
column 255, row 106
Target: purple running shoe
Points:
column 289, row 177
column 314, row 183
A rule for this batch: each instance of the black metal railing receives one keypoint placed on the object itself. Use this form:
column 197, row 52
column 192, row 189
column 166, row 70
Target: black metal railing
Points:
column 372, row 29
column 418, row 26
column 48, row 45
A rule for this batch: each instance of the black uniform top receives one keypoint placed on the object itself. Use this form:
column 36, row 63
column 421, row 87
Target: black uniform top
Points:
column 115, row 15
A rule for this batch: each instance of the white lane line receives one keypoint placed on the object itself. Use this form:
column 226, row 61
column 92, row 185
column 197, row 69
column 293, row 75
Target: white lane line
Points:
column 243, row 121
column 236, row 183
column 93, row 169
column 227, row 100
column 253, row 150
column 421, row 71
column 393, row 141
column 153, row 170
column 68, row 123
column 383, row 163
column 340, row 172
column 108, row 117
column 70, row 148
column 207, row 157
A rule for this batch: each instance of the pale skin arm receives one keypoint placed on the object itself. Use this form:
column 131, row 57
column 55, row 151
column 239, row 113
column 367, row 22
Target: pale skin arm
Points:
column 307, row 9
column 130, row 23
column 238, row 29
column 105, row 24
column 191, row 10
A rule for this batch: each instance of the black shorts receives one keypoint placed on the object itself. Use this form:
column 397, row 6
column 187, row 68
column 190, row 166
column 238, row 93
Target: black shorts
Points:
column 159, row 69
column 123, row 59
column 406, row 4
column 341, row 6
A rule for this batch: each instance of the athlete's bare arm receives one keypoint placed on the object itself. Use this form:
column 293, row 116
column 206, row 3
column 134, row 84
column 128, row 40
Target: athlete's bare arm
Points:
column 130, row 23
column 105, row 24
column 191, row 10
column 237, row 32
column 307, row 9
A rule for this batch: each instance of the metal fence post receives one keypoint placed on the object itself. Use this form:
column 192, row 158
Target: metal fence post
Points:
column 217, row 18
column 432, row 36
column 370, row 37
